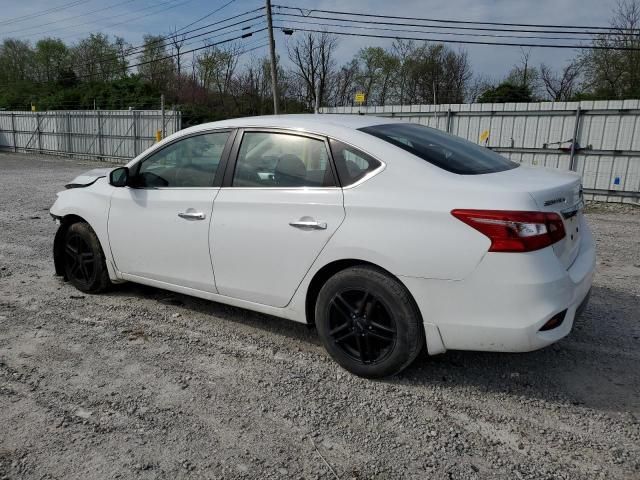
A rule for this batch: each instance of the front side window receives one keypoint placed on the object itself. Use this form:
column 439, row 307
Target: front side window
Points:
column 351, row 163
column 270, row 159
column 448, row 152
column 191, row 162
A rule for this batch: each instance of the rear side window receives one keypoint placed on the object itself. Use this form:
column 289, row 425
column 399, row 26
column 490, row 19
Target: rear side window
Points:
column 351, row 163
column 269, row 159
column 441, row 149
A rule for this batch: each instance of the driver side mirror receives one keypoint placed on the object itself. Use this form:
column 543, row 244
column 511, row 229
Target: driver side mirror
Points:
column 119, row 177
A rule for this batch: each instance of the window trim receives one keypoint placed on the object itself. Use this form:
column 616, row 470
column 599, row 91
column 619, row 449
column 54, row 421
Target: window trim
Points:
column 224, row 158
column 227, row 182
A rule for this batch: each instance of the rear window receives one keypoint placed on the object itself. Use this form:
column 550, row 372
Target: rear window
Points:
column 441, row 149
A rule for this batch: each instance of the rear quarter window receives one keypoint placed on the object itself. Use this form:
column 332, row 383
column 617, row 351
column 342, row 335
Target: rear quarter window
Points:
column 352, row 164
column 445, row 151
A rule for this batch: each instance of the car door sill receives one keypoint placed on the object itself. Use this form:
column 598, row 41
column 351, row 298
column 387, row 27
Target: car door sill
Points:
column 216, row 297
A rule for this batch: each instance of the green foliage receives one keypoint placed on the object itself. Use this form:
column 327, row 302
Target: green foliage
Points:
column 116, row 94
column 506, row 92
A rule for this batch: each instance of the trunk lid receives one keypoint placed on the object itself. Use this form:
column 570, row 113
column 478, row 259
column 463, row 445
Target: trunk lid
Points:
column 552, row 191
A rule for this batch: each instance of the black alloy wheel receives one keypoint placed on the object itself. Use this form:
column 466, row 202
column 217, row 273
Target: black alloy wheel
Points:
column 80, row 260
column 368, row 322
column 361, row 326
column 83, row 259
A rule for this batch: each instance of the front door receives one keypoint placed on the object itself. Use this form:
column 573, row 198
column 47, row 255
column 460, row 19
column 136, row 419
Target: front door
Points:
column 280, row 208
column 159, row 227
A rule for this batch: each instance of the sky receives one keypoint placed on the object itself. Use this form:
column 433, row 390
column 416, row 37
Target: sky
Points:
column 131, row 19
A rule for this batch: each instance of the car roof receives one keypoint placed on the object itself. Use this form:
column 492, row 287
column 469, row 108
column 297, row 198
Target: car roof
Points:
column 314, row 123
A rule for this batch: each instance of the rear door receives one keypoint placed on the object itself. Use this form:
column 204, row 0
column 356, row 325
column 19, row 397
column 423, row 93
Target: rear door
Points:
column 279, row 206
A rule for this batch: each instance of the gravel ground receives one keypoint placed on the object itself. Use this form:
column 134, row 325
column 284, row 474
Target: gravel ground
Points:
column 144, row 383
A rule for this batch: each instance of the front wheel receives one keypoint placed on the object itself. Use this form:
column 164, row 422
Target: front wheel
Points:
column 84, row 262
column 368, row 322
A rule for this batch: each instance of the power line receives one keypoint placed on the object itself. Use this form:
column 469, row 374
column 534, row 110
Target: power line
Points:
column 43, row 12
column 419, row 31
column 441, row 20
column 166, row 5
column 471, row 42
column 69, row 18
column 451, row 27
column 206, row 16
column 192, row 50
column 168, row 37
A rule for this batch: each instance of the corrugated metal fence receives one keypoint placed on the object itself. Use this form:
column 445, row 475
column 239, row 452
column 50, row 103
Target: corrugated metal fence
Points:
column 606, row 153
column 114, row 135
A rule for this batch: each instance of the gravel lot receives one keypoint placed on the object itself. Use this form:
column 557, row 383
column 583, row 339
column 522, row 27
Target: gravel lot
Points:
column 144, row 383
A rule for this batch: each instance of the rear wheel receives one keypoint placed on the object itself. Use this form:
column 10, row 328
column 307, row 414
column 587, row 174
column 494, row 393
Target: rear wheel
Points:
column 84, row 262
column 368, row 322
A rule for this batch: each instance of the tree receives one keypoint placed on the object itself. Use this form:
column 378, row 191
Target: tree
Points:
column 97, row 59
column 560, row 86
column 313, row 59
column 506, row 92
column 615, row 74
column 51, row 60
column 524, row 75
column 156, row 63
column 123, row 50
column 345, row 83
column 477, row 86
column 437, row 74
column 16, row 60
column 177, row 40
column 402, row 51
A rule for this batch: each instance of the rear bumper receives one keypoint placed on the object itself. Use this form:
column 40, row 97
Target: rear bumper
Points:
column 503, row 304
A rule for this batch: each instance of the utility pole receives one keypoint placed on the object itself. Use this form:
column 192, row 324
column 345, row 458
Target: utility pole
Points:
column 162, row 114
column 274, row 67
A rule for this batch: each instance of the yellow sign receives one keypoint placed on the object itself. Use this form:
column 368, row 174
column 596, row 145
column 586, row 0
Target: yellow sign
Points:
column 158, row 135
column 33, row 107
column 484, row 136
column 360, row 97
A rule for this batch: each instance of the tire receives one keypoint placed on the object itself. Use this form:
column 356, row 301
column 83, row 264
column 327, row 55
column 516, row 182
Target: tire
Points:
column 83, row 259
column 368, row 322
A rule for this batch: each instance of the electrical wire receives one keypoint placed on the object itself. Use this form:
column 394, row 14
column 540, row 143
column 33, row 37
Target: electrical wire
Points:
column 442, row 20
column 276, row 18
column 451, row 27
column 206, row 16
column 43, row 12
column 166, row 5
column 68, row 18
column 471, row 42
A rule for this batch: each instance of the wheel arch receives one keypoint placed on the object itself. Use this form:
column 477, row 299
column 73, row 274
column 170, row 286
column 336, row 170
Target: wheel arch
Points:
column 329, row 270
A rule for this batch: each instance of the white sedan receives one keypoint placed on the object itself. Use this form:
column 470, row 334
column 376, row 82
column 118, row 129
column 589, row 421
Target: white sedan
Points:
column 388, row 236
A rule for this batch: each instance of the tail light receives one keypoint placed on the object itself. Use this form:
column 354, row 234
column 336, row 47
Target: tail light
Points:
column 513, row 231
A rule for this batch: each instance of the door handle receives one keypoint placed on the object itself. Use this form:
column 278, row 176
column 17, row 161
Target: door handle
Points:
column 192, row 215
column 309, row 225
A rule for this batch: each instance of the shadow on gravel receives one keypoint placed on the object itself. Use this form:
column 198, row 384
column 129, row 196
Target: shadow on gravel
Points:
column 586, row 368
column 293, row 330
